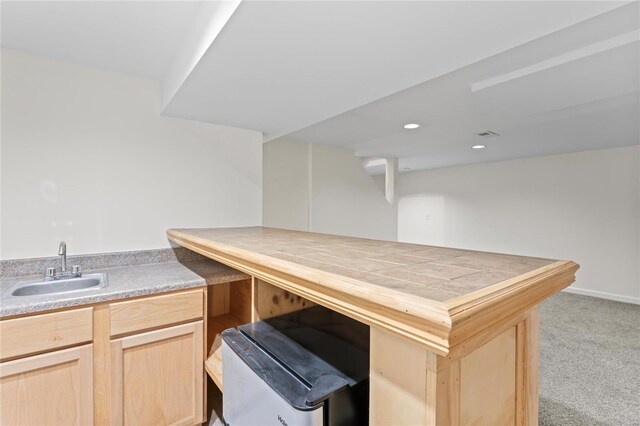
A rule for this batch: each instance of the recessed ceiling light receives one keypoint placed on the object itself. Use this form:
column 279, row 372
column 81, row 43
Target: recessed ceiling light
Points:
column 411, row 126
column 478, row 147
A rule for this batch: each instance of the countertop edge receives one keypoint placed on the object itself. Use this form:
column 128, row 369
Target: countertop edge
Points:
column 75, row 301
column 481, row 309
column 436, row 325
column 426, row 323
column 461, row 303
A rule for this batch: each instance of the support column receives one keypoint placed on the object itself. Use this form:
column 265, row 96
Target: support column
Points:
column 391, row 174
column 402, row 382
column 488, row 379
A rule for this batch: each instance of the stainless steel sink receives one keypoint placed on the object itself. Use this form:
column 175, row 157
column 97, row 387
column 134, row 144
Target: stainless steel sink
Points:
column 67, row 285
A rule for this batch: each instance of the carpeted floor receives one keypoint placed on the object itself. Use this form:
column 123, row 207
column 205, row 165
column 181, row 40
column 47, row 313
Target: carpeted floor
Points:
column 589, row 362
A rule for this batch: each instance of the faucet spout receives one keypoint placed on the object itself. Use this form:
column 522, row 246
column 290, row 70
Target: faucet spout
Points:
column 62, row 252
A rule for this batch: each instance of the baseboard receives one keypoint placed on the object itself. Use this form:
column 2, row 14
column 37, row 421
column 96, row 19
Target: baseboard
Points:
column 603, row 295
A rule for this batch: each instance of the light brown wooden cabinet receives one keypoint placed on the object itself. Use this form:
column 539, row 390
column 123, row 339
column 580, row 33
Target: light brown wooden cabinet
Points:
column 157, row 377
column 132, row 362
column 54, row 388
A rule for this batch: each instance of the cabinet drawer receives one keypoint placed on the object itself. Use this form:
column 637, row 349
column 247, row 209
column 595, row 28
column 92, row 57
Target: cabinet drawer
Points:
column 40, row 333
column 157, row 311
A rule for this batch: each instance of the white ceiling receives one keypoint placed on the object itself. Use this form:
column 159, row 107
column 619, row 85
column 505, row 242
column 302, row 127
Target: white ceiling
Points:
column 551, row 76
column 573, row 90
column 281, row 66
column 133, row 37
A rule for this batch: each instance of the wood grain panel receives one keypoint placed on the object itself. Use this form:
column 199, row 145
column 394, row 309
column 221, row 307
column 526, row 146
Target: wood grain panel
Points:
column 528, row 368
column 402, row 382
column 480, row 339
column 157, row 377
column 270, row 301
column 39, row 333
column 213, row 364
column 525, row 385
column 448, row 398
column 240, row 300
column 218, row 299
column 157, row 311
column 229, row 306
column 102, row 366
column 488, row 383
column 48, row 389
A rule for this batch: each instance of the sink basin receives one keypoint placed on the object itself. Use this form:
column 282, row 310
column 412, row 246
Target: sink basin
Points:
column 67, row 285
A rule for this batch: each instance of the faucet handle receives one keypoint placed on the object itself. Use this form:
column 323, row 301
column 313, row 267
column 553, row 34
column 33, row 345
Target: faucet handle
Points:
column 51, row 272
column 76, row 270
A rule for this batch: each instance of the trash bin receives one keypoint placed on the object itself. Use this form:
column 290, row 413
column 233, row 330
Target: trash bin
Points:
column 309, row 367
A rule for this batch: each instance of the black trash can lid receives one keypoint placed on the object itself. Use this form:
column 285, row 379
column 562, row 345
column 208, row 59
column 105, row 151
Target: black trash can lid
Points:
column 306, row 356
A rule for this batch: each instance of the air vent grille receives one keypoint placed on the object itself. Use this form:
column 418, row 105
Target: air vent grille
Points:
column 488, row 134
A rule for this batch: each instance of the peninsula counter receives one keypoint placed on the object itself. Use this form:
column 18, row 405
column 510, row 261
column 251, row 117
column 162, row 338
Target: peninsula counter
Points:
column 454, row 332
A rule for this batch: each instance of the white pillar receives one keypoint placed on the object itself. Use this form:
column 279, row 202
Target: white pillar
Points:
column 391, row 173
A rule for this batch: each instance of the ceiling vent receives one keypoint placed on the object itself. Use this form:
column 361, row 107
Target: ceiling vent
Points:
column 488, row 134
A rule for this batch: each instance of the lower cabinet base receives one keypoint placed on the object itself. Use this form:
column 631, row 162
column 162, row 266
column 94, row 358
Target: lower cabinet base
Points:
column 157, row 377
column 154, row 374
column 48, row 389
column 489, row 379
column 145, row 365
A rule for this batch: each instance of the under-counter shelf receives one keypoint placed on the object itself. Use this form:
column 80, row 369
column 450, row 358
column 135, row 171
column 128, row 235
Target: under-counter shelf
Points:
column 232, row 304
column 216, row 326
column 229, row 305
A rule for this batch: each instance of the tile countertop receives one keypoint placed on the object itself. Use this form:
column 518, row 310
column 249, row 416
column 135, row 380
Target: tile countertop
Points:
column 438, row 274
column 436, row 296
column 124, row 282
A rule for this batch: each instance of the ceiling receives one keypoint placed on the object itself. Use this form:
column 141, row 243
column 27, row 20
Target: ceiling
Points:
column 132, row 37
column 573, row 90
column 547, row 76
column 278, row 67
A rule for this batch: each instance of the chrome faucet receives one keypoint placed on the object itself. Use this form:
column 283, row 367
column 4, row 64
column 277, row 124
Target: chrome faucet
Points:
column 62, row 252
column 56, row 273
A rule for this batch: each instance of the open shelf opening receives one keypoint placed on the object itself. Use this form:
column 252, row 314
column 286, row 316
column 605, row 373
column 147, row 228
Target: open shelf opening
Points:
column 229, row 305
column 233, row 304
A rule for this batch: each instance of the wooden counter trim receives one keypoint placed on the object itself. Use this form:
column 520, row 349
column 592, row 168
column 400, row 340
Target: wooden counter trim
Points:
column 528, row 278
column 425, row 322
column 438, row 326
column 480, row 310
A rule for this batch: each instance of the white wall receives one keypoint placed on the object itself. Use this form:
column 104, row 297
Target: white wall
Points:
column 345, row 200
column 86, row 158
column 285, row 187
column 323, row 188
column 582, row 206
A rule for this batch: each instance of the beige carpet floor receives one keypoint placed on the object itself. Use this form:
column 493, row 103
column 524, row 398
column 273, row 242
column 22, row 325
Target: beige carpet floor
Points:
column 589, row 362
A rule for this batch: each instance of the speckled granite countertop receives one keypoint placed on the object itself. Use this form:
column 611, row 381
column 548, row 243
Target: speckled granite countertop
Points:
column 124, row 282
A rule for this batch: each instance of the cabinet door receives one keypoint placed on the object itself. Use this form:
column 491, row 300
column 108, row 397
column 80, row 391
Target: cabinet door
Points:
column 55, row 388
column 157, row 377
